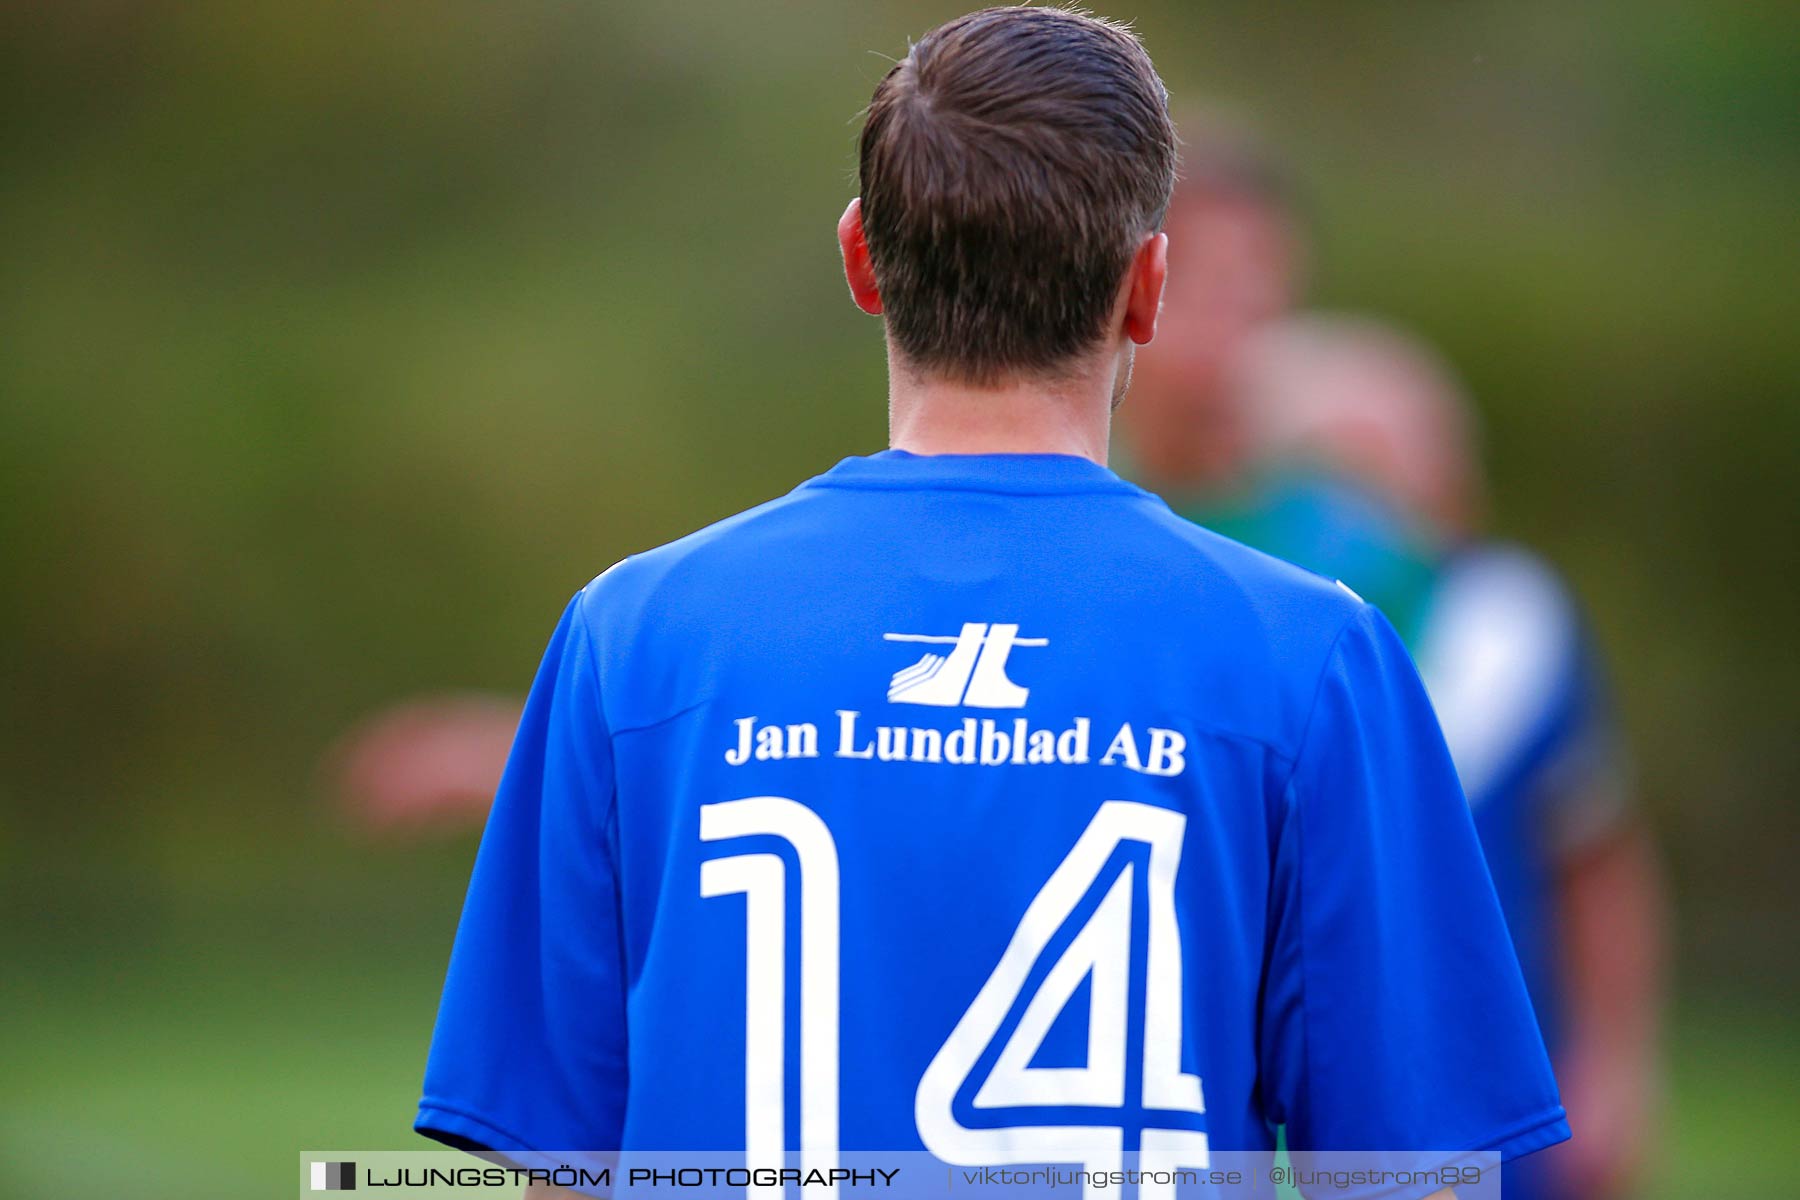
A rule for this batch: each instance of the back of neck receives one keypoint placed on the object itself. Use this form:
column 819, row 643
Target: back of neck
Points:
column 1020, row 416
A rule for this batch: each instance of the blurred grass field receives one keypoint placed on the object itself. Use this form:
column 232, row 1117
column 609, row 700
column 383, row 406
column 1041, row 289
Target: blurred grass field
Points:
column 235, row 1029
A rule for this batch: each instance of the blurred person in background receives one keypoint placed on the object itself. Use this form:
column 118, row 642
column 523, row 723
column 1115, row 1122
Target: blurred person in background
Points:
column 1236, row 260
column 1371, row 475
column 1363, row 450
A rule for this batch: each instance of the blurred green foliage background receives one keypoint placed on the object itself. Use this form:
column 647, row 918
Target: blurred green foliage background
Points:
column 342, row 342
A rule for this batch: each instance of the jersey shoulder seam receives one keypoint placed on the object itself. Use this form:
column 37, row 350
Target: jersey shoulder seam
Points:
column 683, row 711
column 584, row 649
column 1312, row 708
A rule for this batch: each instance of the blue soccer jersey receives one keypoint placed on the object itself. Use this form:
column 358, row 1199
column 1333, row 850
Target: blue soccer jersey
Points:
column 980, row 805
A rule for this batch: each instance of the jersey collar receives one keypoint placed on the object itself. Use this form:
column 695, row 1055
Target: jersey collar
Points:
column 1007, row 474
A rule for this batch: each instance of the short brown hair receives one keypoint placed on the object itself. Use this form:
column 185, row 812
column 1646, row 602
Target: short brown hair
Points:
column 1010, row 165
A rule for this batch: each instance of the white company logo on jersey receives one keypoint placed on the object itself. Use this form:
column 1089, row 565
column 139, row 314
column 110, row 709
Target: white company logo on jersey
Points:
column 973, row 673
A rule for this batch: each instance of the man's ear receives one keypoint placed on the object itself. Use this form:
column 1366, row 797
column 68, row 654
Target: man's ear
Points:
column 1144, row 288
column 858, row 270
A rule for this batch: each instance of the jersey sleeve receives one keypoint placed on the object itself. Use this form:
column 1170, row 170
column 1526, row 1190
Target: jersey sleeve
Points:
column 529, row 1050
column 1396, row 1019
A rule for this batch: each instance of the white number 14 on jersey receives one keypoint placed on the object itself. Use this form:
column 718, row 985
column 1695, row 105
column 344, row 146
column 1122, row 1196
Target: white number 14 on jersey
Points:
column 1100, row 951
